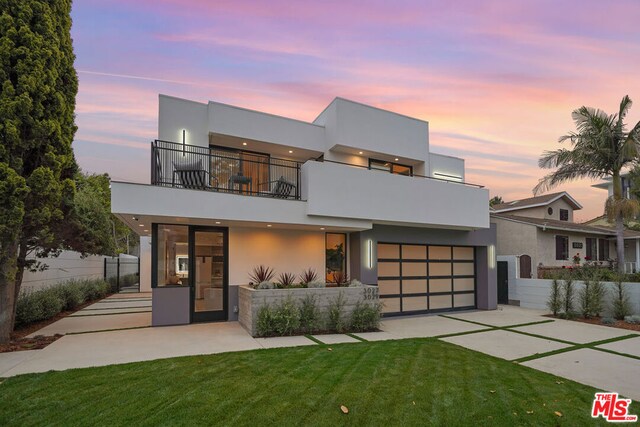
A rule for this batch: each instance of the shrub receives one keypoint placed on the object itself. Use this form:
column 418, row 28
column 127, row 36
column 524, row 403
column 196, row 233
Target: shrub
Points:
column 286, row 318
column 621, row 307
column 567, row 297
column 634, row 320
column 265, row 285
column 261, row 274
column 95, row 289
column 309, row 315
column 71, row 294
column 265, row 323
column 366, row 317
column 316, row 284
column 308, row 276
column 555, row 297
column 608, row 321
column 286, row 280
column 598, row 293
column 356, row 284
column 38, row 305
column 335, row 317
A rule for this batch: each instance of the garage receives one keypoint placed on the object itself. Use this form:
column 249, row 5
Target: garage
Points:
column 422, row 278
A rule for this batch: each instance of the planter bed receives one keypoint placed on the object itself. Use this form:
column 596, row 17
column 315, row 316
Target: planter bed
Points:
column 251, row 301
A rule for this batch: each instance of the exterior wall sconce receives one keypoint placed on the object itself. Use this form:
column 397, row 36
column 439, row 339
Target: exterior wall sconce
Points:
column 491, row 255
column 369, row 254
column 184, row 140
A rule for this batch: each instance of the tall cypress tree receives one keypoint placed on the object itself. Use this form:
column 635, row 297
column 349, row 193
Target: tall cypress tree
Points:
column 37, row 125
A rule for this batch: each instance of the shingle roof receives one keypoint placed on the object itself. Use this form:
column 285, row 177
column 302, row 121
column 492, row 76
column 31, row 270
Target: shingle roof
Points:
column 536, row 201
column 555, row 224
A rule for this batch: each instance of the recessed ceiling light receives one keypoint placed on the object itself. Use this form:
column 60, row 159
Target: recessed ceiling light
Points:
column 396, row 159
column 217, row 222
column 244, row 143
column 268, row 225
column 360, row 152
column 146, row 231
column 290, row 151
column 140, row 225
column 135, row 218
column 321, row 228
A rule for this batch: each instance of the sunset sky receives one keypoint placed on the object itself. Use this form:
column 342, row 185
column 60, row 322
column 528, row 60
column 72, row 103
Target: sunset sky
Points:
column 496, row 80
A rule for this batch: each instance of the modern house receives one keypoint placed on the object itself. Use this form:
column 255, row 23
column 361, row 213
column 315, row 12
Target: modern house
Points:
column 541, row 232
column 356, row 191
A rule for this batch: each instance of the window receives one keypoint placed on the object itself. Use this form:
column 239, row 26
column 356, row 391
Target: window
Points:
column 550, row 210
column 591, row 249
column 564, row 215
column 603, row 250
column 336, row 254
column 227, row 163
column 390, row 167
column 562, row 247
column 172, row 255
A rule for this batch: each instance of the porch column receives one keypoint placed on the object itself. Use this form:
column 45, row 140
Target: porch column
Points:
column 637, row 255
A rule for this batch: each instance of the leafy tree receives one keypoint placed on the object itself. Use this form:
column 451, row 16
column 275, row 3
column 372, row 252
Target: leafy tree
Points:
column 38, row 86
column 496, row 200
column 602, row 147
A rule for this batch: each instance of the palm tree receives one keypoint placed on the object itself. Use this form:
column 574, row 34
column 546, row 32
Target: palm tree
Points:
column 601, row 148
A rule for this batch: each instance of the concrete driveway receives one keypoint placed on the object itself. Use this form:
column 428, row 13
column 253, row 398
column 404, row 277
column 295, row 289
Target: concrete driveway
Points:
column 603, row 357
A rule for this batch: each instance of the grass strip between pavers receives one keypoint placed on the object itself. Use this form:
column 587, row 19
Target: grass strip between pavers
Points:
column 107, row 330
column 591, row 345
column 314, row 339
column 356, row 337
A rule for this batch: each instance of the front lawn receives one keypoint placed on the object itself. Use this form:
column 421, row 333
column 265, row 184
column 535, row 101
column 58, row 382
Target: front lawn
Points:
column 406, row 382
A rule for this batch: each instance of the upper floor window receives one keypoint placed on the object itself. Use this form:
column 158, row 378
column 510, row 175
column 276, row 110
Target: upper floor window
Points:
column 391, row 167
column 564, row 215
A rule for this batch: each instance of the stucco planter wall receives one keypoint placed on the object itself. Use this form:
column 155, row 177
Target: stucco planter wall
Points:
column 251, row 300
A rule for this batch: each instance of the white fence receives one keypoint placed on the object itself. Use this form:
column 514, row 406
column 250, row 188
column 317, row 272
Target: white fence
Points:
column 70, row 265
column 534, row 293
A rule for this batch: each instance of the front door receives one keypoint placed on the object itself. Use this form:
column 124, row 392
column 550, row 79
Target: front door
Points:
column 210, row 281
column 503, row 282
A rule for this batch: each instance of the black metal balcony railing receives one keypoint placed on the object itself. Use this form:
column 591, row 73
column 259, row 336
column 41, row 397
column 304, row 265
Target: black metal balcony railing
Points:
column 213, row 169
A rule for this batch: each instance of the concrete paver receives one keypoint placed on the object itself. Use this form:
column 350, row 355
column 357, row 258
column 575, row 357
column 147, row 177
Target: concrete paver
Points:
column 504, row 316
column 74, row 324
column 425, row 326
column 130, row 295
column 111, row 311
column 604, row 371
column 103, row 305
column 575, row 332
column 9, row 360
column 134, row 345
column 335, row 338
column 505, row 344
column 629, row 346
column 278, row 342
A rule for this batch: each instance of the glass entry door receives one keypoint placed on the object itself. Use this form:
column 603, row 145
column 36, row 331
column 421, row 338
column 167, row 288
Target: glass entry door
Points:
column 210, row 281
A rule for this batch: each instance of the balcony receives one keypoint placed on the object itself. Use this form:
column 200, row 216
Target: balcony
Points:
column 211, row 169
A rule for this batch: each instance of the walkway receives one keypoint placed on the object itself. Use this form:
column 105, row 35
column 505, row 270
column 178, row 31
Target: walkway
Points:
column 603, row 357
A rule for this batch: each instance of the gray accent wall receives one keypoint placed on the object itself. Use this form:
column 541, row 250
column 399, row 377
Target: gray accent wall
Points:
column 170, row 306
column 486, row 277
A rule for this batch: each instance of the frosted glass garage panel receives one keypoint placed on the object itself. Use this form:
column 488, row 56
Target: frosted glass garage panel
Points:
column 439, row 252
column 463, row 284
column 414, row 252
column 414, row 286
column 463, row 269
column 390, row 305
column 439, row 269
column 386, row 269
column 389, row 287
column 439, row 302
column 463, row 300
column 414, row 269
column 414, row 303
column 439, row 285
column 463, row 253
column 388, row 251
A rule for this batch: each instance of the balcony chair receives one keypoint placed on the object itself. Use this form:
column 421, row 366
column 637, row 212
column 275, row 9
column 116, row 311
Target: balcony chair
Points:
column 191, row 175
column 282, row 188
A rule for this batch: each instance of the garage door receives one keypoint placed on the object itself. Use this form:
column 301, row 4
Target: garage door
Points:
column 425, row 278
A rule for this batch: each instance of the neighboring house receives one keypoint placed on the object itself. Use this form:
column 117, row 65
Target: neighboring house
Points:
column 607, row 184
column 541, row 232
column 356, row 191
